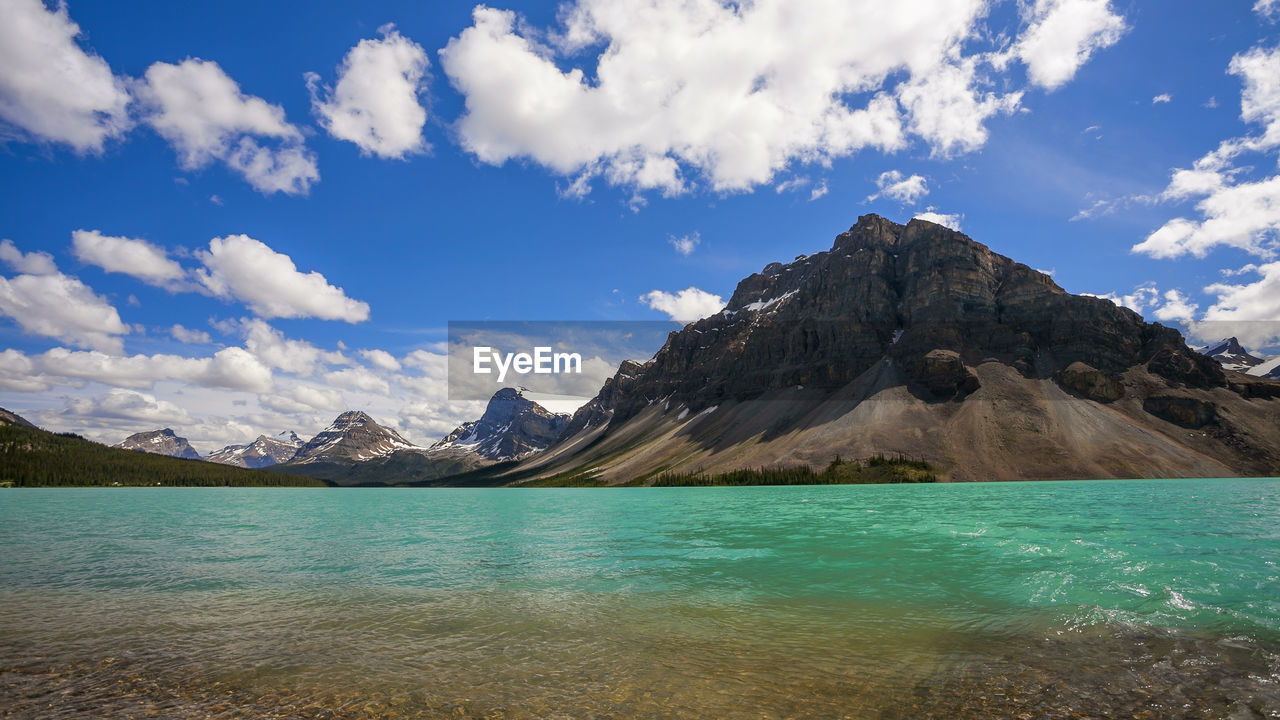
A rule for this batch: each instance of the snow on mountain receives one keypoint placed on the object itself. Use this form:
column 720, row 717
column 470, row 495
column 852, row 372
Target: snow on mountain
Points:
column 160, row 442
column 352, row 437
column 1232, row 356
column 263, row 452
column 511, row 427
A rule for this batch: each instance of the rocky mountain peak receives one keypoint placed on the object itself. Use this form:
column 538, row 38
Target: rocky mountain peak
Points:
column 511, row 427
column 12, row 418
column 352, row 436
column 1231, row 355
column 160, row 442
column 926, row 299
column 263, row 452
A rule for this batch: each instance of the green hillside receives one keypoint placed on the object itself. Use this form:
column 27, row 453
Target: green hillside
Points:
column 30, row 457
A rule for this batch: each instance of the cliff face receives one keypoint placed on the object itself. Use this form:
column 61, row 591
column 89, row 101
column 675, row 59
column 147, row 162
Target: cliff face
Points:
column 937, row 334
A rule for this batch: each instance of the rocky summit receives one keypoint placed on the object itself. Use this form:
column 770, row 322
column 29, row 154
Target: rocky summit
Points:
column 263, row 452
column 352, row 437
column 512, row 427
column 915, row 339
column 1231, row 355
column 160, row 442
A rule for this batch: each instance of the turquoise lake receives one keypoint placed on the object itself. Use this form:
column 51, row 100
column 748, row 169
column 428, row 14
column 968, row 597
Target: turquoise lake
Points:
column 1063, row 599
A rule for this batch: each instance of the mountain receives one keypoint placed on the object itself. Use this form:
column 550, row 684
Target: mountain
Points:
column 10, row 418
column 1231, row 355
column 512, row 427
column 160, row 442
column 1267, row 368
column 915, row 340
column 352, row 437
column 355, row 450
column 263, row 452
column 30, row 457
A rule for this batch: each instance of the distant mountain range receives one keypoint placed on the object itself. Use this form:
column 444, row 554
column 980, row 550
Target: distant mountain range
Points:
column 908, row 340
column 356, row 449
column 263, row 452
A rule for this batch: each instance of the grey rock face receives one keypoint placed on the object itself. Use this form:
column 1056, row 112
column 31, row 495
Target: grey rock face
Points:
column 160, row 442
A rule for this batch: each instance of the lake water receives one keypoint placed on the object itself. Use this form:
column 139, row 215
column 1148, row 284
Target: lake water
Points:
column 1095, row 599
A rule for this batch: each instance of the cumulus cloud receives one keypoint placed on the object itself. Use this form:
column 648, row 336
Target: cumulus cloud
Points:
column 685, row 244
column 358, row 378
column 50, row 88
column 32, row 263
column 1063, row 34
column 686, row 305
column 376, row 101
column 1141, row 298
column 662, row 95
column 119, row 404
column 186, row 335
column 231, row 368
column 137, row 258
column 273, row 349
column 1250, row 311
column 1243, row 214
column 818, row 191
column 304, row 398
column 381, row 359
column 241, row 268
column 202, row 113
column 1162, row 98
column 1176, row 308
column 894, row 186
column 62, row 307
column 18, row 372
column 951, row 220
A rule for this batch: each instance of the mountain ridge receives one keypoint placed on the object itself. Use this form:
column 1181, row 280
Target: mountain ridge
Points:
column 915, row 339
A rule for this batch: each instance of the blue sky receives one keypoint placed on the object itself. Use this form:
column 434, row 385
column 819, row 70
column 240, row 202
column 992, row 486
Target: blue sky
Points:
column 312, row 192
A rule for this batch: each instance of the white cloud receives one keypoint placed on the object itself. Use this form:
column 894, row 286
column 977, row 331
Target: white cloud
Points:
column 1142, row 297
column 242, row 268
column 32, row 263
column 685, row 244
column 136, row 258
column 129, row 405
column 358, row 378
column 1250, row 311
column 1176, row 308
column 185, row 335
column 50, row 87
column 1162, row 98
column 1239, row 214
column 230, row 368
column 1063, row 34
column 894, row 186
column 62, row 307
column 381, row 359
column 947, row 110
column 1266, row 8
column 375, row 103
column 203, row 114
column 951, row 220
column 729, row 94
column 304, row 398
column 299, row 357
column 18, row 372
column 686, row 305
column 818, row 191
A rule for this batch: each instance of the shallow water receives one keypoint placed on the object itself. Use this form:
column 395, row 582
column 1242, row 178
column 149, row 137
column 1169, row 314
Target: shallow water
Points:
column 1086, row 599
